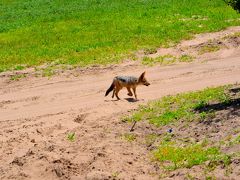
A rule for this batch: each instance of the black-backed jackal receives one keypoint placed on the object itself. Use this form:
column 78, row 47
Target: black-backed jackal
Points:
column 130, row 82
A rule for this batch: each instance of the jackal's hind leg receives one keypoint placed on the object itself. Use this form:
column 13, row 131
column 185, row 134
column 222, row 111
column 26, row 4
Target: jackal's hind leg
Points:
column 129, row 92
column 116, row 93
column 113, row 93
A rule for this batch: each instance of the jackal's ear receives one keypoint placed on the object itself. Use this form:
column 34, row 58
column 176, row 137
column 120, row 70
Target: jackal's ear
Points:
column 142, row 75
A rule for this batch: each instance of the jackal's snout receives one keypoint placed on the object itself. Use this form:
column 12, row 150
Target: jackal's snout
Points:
column 146, row 83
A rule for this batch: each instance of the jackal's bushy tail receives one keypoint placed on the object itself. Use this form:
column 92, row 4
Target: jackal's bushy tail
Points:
column 110, row 89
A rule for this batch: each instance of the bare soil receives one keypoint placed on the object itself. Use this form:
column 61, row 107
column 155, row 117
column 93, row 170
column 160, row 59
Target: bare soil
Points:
column 37, row 114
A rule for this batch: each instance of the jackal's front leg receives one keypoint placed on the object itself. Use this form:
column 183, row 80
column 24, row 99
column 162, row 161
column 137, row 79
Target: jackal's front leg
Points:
column 129, row 91
column 134, row 91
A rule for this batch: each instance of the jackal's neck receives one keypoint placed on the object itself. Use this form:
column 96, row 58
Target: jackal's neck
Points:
column 138, row 81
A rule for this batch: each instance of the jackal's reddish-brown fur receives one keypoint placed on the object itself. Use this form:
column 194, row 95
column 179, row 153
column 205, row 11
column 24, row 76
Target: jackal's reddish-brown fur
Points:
column 130, row 82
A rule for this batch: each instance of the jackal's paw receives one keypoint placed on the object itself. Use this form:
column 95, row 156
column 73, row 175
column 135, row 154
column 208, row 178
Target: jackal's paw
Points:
column 130, row 94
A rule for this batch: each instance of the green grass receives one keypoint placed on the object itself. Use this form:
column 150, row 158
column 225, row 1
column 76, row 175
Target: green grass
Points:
column 188, row 156
column 87, row 32
column 170, row 109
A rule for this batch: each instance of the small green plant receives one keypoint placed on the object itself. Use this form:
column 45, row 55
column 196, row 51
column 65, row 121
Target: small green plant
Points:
column 115, row 174
column 17, row 77
column 129, row 137
column 186, row 58
column 210, row 178
column 71, row 136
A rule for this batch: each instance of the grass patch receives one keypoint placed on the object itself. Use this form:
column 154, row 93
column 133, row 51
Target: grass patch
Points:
column 166, row 59
column 181, row 106
column 163, row 60
column 52, row 69
column 87, row 32
column 173, row 156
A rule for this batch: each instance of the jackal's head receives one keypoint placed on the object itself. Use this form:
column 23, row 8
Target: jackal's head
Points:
column 143, row 80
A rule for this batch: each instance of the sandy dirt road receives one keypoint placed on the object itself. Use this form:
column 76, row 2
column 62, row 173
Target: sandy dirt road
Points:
column 36, row 114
